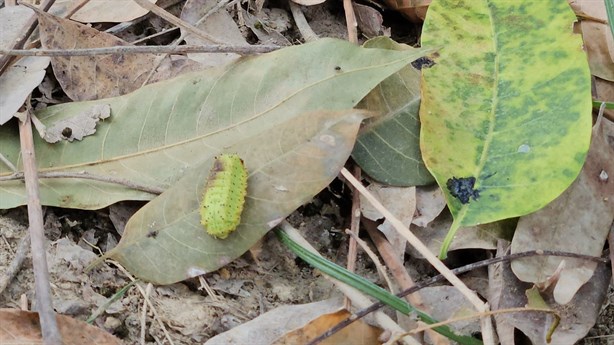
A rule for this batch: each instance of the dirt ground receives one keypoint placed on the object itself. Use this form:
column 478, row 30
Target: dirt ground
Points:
column 264, row 278
column 197, row 309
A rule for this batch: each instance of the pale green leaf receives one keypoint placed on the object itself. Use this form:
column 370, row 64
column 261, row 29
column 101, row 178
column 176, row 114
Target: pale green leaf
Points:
column 388, row 147
column 164, row 241
column 159, row 132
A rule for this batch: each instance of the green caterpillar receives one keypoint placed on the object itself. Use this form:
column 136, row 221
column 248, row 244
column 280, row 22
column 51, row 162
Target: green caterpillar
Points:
column 224, row 196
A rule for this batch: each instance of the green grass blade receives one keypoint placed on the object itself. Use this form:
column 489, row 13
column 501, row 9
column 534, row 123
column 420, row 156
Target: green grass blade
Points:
column 368, row 287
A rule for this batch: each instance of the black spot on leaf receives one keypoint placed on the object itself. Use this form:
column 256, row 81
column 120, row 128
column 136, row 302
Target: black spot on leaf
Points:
column 423, row 62
column 462, row 189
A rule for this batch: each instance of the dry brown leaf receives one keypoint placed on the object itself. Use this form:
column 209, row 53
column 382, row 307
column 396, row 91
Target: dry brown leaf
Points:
column 400, row 201
column 483, row 236
column 94, row 77
column 275, row 323
column 370, row 21
column 356, row 333
column 113, row 11
column 597, row 36
column 414, row 10
column 429, row 204
column 22, row 327
column 577, row 317
column 577, row 221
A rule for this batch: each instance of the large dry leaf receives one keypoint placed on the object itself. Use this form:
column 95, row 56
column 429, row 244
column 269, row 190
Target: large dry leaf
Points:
column 164, row 242
column 578, row 221
column 506, row 108
column 159, row 132
column 101, row 76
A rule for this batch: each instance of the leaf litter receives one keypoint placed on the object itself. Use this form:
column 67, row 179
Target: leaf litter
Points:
column 197, row 316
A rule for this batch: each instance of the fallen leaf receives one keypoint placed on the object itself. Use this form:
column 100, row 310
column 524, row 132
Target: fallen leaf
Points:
column 12, row 21
column 429, row 204
column 17, row 83
column 577, row 317
column 164, row 242
column 388, row 148
column 356, row 333
column 370, row 21
column 597, row 36
column 482, row 236
column 77, row 127
column 566, row 225
column 401, row 202
column 505, row 108
column 158, row 133
column 22, row 327
column 447, row 302
column 414, row 10
column 308, row 2
column 95, row 77
column 275, row 323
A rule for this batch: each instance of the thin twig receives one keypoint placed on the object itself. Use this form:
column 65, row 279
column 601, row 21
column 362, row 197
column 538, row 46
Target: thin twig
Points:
column 87, row 176
column 148, row 300
column 175, row 21
column 416, row 243
column 223, row 48
column 29, row 27
column 350, row 20
column 440, row 278
column 7, row 163
column 144, row 313
column 355, row 229
column 49, row 327
column 23, row 248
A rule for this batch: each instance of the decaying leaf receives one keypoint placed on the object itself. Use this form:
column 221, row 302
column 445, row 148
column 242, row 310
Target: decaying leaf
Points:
column 101, row 76
column 77, row 127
